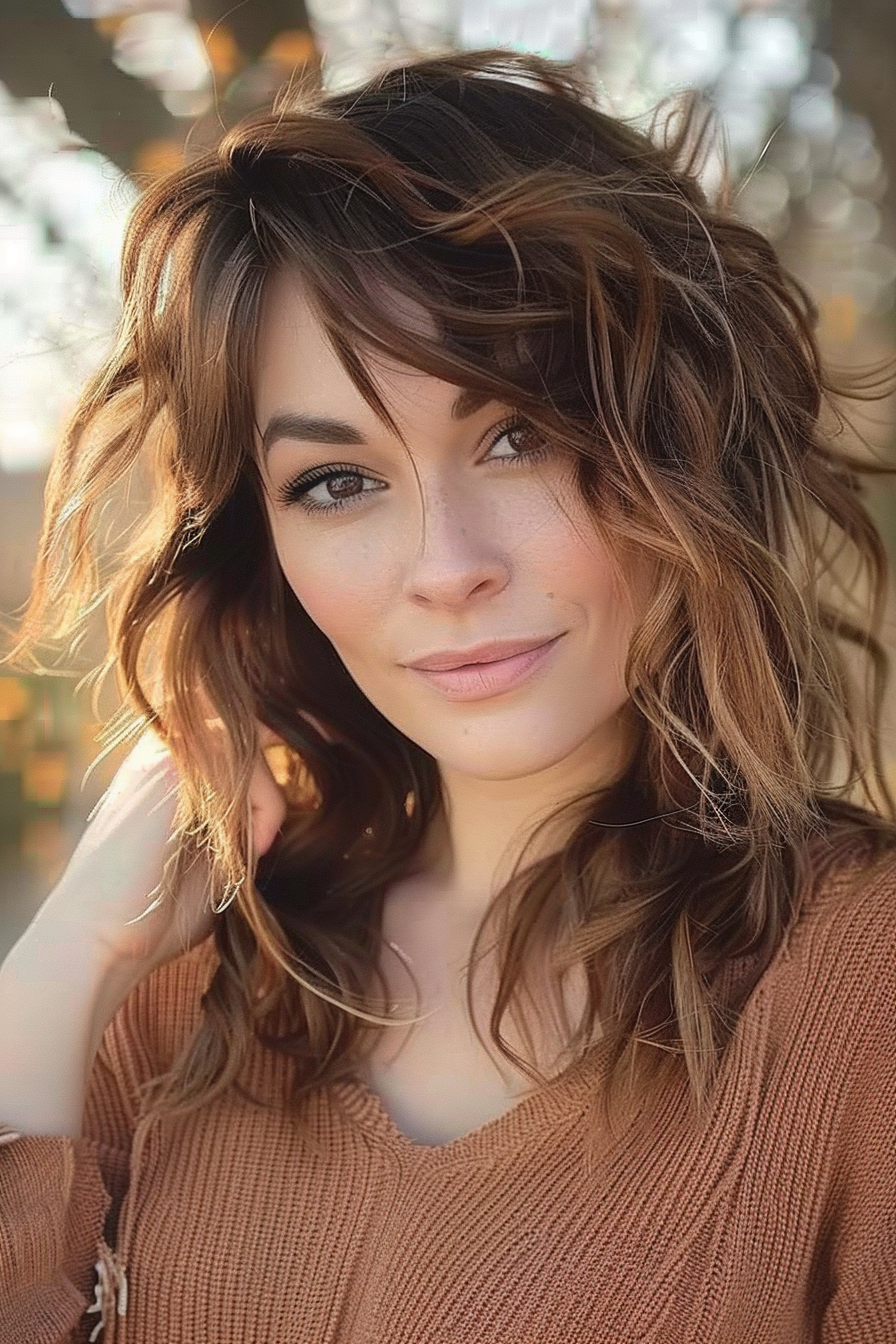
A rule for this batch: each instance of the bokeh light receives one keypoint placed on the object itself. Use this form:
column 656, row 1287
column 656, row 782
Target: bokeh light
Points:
column 63, row 209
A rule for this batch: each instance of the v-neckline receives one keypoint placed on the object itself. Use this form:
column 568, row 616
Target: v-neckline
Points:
column 568, row 1089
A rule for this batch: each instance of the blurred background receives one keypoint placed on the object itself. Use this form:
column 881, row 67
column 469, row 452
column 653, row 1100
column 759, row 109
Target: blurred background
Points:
column 97, row 97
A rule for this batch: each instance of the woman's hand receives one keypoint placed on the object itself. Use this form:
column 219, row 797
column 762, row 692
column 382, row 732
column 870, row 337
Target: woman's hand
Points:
column 109, row 892
column 99, row 933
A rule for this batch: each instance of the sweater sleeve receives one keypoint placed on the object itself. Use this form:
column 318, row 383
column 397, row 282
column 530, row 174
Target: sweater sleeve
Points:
column 862, row 1305
column 60, row 1197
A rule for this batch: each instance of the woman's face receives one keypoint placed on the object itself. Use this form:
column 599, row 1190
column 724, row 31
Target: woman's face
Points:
column 468, row 534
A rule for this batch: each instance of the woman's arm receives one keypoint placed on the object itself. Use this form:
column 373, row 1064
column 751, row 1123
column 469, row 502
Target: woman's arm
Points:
column 66, row 1113
column 65, row 1129
column 57, row 997
column 66, row 1107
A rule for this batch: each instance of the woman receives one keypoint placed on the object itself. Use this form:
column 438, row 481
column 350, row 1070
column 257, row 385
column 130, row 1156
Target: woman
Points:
column 485, row 589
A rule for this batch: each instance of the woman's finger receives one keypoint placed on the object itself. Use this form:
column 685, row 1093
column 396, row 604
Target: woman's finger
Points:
column 268, row 806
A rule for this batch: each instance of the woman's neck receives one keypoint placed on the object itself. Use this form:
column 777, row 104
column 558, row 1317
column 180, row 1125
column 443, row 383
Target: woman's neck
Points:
column 470, row 849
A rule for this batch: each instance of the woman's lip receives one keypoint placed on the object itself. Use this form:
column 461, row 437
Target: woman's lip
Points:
column 479, row 681
column 490, row 651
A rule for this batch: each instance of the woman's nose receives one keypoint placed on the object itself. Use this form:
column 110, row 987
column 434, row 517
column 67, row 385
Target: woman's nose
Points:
column 454, row 553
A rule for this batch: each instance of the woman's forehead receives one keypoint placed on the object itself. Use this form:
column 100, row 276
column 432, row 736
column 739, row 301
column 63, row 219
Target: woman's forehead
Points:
column 297, row 364
column 289, row 297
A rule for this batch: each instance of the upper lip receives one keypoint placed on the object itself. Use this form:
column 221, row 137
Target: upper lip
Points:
column 445, row 659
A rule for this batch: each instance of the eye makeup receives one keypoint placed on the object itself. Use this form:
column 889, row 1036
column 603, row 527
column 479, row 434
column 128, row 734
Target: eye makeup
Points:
column 297, row 490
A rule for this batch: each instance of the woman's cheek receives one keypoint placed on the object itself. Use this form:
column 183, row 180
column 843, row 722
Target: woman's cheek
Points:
column 329, row 582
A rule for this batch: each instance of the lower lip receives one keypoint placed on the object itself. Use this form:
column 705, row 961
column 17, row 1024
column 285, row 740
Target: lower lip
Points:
column 479, row 681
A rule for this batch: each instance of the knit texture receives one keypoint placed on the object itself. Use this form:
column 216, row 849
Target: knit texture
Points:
column 774, row 1223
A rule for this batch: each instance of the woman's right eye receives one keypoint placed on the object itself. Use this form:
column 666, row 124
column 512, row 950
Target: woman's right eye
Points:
column 338, row 487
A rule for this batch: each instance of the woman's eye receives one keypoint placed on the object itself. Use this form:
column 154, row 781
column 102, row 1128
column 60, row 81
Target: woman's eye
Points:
column 341, row 486
column 327, row 489
column 523, row 438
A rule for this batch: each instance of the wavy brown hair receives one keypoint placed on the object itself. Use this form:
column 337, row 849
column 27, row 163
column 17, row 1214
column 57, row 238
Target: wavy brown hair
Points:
column 575, row 270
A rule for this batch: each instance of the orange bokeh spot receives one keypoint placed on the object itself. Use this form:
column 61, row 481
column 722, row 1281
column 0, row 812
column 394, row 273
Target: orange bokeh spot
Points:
column 107, row 25
column 13, row 699
column 157, row 157
column 839, row 317
column 45, row 777
column 292, row 47
column 221, row 45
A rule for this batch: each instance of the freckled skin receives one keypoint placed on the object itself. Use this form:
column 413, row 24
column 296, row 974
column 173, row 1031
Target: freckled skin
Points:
column 456, row 539
column 463, row 549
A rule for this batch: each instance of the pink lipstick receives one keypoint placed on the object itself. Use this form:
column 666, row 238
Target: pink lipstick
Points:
column 479, row 681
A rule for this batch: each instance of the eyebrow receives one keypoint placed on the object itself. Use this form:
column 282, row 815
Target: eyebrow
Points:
column 321, row 429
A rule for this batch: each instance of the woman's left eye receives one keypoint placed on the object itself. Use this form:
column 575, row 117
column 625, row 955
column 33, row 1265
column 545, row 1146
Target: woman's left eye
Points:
column 522, row 436
column 343, row 483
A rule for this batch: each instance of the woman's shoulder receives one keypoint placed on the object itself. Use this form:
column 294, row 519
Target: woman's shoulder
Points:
column 827, row 1021
column 837, row 961
column 851, row 905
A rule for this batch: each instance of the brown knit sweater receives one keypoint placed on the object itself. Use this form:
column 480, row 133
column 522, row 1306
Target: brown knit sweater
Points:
column 775, row 1224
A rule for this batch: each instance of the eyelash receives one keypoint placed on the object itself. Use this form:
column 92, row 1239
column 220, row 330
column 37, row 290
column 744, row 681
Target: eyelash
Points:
column 296, row 490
